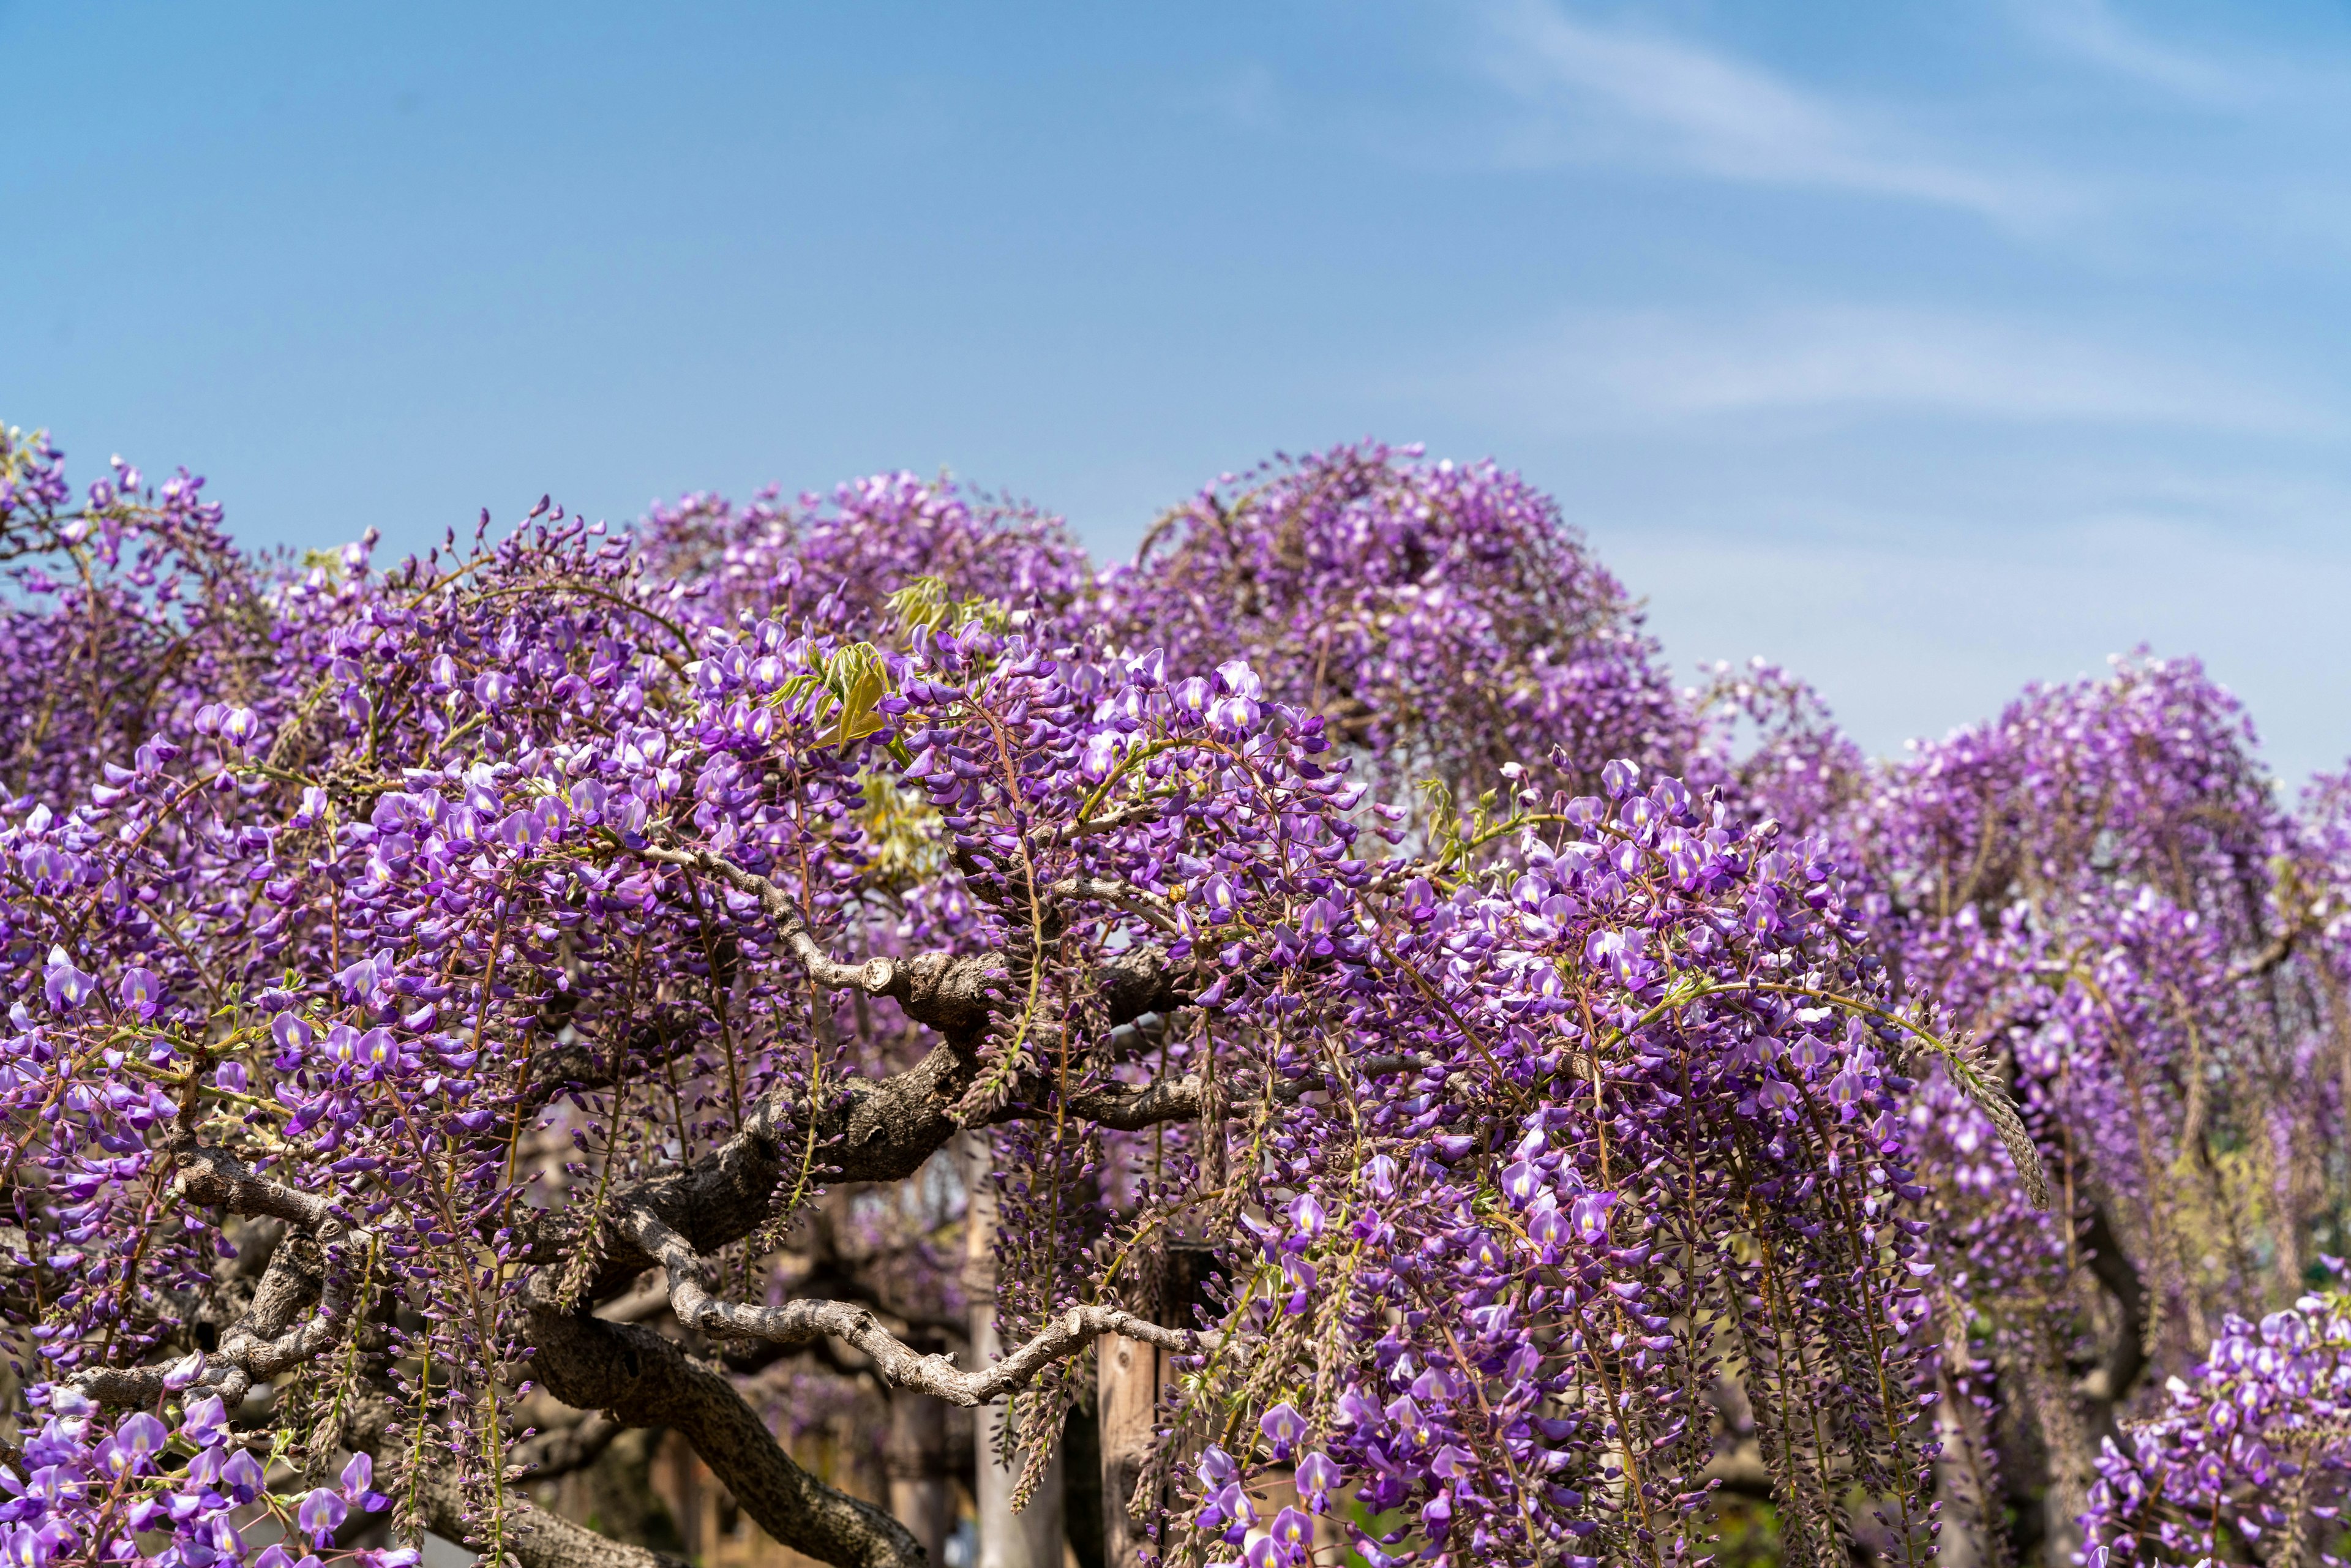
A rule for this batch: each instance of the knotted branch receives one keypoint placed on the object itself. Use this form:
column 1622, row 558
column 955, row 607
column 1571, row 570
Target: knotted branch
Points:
column 896, row 1363
column 645, row 1380
column 949, row 993
column 266, row 1340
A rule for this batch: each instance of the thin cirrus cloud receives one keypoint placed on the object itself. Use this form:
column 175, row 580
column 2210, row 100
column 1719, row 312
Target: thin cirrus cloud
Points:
column 1609, row 368
column 1597, row 93
column 2093, row 32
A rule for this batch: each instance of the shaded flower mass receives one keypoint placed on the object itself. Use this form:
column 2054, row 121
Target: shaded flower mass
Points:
column 1602, row 1099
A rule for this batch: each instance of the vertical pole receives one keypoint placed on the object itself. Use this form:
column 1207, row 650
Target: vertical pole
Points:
column 916, row 1457
column 1127, row 1387
column 1129, row 1377
column 1030, row 1539
column 1082, row 1477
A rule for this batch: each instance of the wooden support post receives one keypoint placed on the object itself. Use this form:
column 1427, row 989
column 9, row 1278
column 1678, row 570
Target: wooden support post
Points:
column 1129, row 1378
column 916, row 1456
column 1127, row 1388
column 1032, row 1538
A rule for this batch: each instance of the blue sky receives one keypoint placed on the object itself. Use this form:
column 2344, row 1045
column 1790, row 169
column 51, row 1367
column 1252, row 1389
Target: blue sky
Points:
column 1926, row 348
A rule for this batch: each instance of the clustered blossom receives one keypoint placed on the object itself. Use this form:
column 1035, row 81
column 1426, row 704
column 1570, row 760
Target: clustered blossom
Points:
column 2246, row 1458
column 1441, row 615
column 1646, row 1143
column 155, row 592
column 90, row 1488
column 400, row 962
column 2102, row 887
column 525, row 838
column 838, row 563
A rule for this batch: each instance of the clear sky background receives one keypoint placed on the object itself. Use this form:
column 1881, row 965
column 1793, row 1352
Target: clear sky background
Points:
column 1924, row 346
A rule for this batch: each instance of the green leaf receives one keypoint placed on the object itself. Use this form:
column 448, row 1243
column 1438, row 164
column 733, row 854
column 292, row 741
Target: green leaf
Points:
column 858, row 679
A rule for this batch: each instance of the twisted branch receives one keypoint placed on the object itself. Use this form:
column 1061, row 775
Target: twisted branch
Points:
column 265, row 1340
column 645, row 1380
column 896, row 1363
column 214, row 1179
column 949, row 993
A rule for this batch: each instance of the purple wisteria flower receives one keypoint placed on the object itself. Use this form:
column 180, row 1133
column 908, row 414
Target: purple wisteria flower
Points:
column 1507, row 1094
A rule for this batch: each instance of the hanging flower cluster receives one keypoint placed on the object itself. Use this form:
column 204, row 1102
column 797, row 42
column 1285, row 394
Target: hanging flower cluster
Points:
column 2247, row 1460
column 400, row 963
column 127, row 602
column 1552, row 1161
column 85, row 1480
column 1441, row 616
column 839, row 561
column 2102, row 890
column 430, row 955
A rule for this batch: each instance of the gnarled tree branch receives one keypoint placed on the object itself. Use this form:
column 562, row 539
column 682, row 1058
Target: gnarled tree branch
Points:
column 644, row 1380
column 2112, row 1381
column 266, row 1340
column 800, row 1322
column 949, row 993
column 215, row 1178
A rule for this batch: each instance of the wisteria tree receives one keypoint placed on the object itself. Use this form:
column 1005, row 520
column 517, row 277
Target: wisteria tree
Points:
column 405, row 964
column 2103, row 888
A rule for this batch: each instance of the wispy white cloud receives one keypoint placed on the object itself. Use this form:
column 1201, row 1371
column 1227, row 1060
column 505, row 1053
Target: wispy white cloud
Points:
column 2094, row 32
column 1640, row 95
column 1653, row 367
